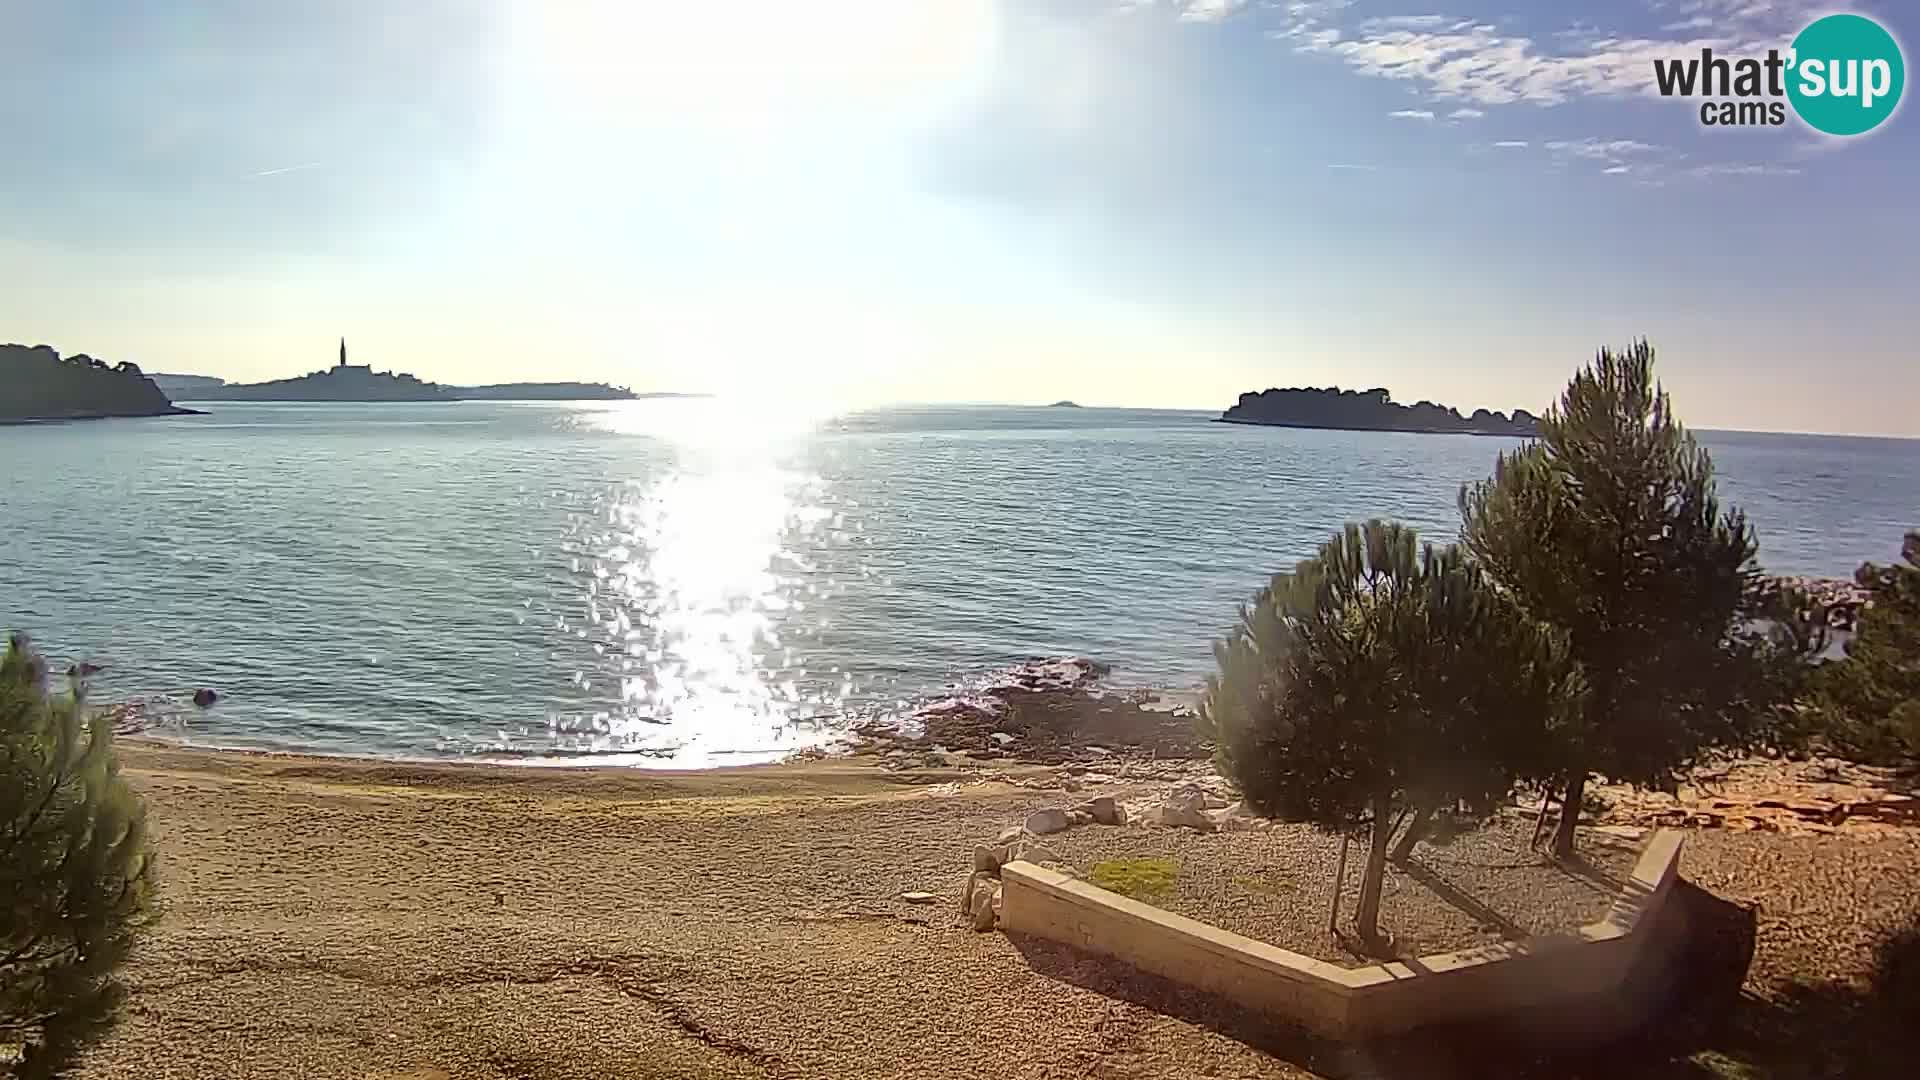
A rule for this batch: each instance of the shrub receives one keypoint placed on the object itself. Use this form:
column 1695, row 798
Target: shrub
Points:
column 74, row 872
column 1376, row 677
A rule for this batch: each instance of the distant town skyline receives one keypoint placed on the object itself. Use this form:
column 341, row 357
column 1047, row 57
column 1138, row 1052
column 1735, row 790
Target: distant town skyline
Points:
column 1119, row 202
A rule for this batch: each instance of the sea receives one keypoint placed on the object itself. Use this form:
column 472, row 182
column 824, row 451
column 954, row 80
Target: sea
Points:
column 693, row 583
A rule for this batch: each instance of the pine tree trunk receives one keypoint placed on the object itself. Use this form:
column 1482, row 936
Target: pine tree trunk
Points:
column 1569, row 816
column 1416, row 831
column 1366, row 918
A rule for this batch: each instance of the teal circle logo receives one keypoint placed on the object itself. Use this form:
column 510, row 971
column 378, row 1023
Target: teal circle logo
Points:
column 1845, row 74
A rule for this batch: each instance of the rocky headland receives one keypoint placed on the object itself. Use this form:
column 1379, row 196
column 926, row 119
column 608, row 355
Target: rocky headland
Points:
column 37, row 383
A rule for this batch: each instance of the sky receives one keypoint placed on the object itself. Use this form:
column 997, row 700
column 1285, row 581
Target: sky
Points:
column 1122, row 202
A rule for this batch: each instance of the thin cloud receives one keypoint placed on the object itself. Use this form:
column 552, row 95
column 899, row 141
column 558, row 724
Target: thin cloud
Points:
column 1406, row 22
column 1209, row 10
column 1617, row 170
column 1601, row 149
column 1355, row 168
column 1513, row 144
column 288, row 169
column 1465, row 114
column 1485, row 63
column 1412, row 114
column 1735, row 168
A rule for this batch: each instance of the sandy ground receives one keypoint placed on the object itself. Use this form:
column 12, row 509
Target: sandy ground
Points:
column 367, row 920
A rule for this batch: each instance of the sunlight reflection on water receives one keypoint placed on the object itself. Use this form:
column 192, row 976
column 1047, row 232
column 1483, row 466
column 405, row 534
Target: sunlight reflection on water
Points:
column 688, row 579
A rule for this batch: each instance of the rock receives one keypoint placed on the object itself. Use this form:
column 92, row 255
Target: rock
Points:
column 1033, row 852
column 966, row 894
column 1234, row 818
column 204, row 697
column 1010, row 834
column 1000, row 737
column 1048, row 821
column 1186, row 807
column 1079, row 817
column 987, row 860
column 1624, row 832
column 1070, row 784
column 1104, row 810
column 917, row 897
column 985, row 905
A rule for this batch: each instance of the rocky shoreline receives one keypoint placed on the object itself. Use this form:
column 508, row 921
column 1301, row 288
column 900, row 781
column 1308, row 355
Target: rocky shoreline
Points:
column 1046, row 711
column 1841, row 598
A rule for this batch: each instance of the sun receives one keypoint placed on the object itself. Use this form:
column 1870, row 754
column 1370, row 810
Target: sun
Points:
column 707, row 64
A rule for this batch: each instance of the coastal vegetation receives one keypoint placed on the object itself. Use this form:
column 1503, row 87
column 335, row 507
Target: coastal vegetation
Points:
column 1867, row 705
column 1601, row 615
column 75, row 875
column 1369, row 410
column 37, row 383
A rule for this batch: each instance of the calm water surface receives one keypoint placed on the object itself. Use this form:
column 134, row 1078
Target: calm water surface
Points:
column 672, row 582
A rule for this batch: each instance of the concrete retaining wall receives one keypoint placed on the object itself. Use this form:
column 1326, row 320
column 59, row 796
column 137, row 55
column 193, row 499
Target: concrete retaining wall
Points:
column 1344, row 1002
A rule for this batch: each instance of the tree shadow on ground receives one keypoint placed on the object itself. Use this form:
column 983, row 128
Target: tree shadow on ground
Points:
column 1599, row 877
column 1680, row 1016
column 1458, row 898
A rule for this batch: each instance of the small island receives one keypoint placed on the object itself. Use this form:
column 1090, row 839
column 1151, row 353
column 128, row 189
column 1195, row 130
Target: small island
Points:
column 1064, row 405
column 37, row 383
column 1370, row 410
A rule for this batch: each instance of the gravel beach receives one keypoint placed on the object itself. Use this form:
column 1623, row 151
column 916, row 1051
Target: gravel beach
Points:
column 378, row 921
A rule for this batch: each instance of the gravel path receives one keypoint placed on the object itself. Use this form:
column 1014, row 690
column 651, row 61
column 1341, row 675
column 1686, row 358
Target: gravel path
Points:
column 1276, row 885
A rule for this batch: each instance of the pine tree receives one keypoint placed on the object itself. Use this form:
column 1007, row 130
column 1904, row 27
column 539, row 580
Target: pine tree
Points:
column 74, row 873
column 1376, row 677
column 1608, row 528
column 1870, row 701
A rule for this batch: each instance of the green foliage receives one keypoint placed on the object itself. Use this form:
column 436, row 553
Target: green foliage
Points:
column 1869, row 703
column 1608, row 528
column 1141, row 879
column 1380, row 666
column 74, row 872
column 1377, row 674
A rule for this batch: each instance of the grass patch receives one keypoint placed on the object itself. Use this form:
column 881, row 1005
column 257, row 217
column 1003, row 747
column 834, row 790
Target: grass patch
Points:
column 1141, row 879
